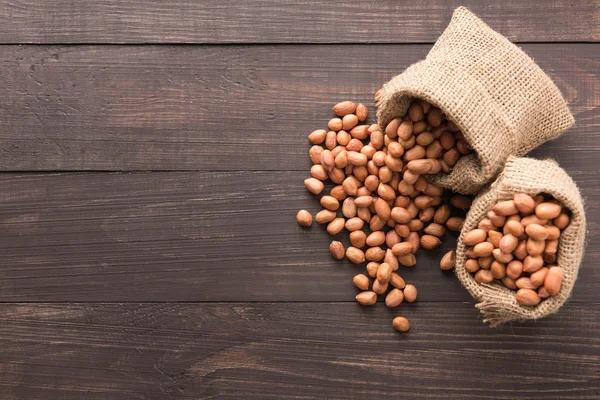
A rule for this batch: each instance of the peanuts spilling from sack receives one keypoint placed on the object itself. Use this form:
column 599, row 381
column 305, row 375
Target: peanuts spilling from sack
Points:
column 517, row 244
column 380, row 195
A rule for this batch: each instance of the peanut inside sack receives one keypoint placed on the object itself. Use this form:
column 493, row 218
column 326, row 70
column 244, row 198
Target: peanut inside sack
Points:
column 497, row 302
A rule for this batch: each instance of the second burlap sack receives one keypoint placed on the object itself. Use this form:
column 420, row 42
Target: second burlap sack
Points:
column 497, row 95
column 498, row 303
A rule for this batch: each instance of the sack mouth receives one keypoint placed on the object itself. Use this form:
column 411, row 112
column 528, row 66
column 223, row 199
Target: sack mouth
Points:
column 431, row 81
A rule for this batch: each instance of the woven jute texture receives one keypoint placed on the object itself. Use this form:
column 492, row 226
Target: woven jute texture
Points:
column 497, row 95
column 497, row 303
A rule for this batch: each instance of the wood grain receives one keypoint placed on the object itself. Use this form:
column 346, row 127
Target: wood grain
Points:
column 221, row 107
column 192, row 236
column 272, row 21
column 292, row 351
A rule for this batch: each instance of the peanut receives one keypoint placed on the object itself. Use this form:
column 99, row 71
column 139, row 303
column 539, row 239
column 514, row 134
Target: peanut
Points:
column 407, row 260
column 535, row 247
column 514, row 228
column 394, row 298
column 472, row 266
column 325, row 216
column 455, row 223
column 304, row 218
column 537, row 278
column 483, row 249
column 344, row 108
column 524, row 203
column 553, row 280
column 361, row 281
column 498, row 270
column 314, row 186
column 419, row 166
column 317, row 136
column 366, row 298
column 448, row 260
column 349, row 208
column 338, row 193
column 391, row 259
column 484, row 276
column 336, row 226
column 430, row 242
column 537, row 232
column 318, row 172
column 354, row 224
column 402, row 249
column 486, row 262
column 392, row 238
column 494, row 238
column 527, row 297
column 331, row 143
column 376, row 239
column 547, row 210
column 410, row 293
column 514, row 269
column 532, row 263
column 358, row 239
column 562, row 221
column 413, row 239
column 330, row 203
column 337, row 250
column 461, row 202
column 435, row 230
column 397, row 281
column 362, row 112
column 379, row 287
column 474, row 237
column 372, row 269
column 375, row 254
column 401, row 324
column 509, row 283
column 508, row 243
column 349, row 121
column 357, row 256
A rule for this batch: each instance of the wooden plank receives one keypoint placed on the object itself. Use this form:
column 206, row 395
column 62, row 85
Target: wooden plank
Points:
column 271, row 21
column 292, row 351
column 220, row 107
column 191, row 236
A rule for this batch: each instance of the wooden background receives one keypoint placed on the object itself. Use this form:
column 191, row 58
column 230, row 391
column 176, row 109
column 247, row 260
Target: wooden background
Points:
column 152, row 157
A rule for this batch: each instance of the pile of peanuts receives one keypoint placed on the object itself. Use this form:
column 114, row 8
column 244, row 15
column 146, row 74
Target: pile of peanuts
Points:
column 380, row 187
column 517, row 245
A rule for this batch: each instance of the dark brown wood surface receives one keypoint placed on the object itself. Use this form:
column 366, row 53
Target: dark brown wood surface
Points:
column 152, row 156
column 274, row 21
column 220, row 107
column 292, row 351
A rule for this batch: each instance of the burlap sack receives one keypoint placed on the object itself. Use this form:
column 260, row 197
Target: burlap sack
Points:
column 497, row 303
column 500, row 99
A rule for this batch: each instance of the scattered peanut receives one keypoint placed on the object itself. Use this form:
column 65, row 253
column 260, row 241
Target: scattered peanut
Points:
column 448, row 260
column 366, row 298
column 410, row 293
column 337, row 250
column 394, row 298
column 361, row 281
column 304, row 218
column 401, row 324
column 380, row 178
